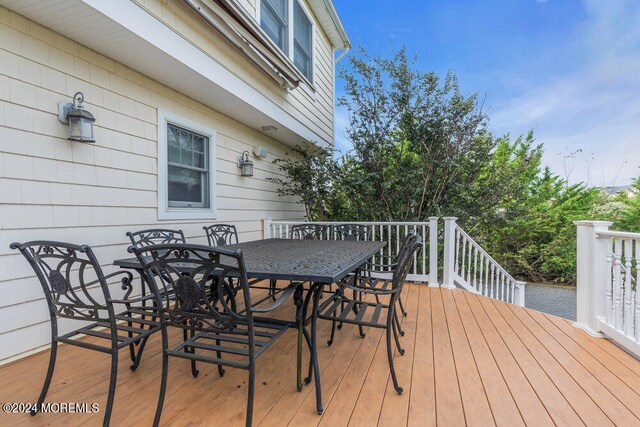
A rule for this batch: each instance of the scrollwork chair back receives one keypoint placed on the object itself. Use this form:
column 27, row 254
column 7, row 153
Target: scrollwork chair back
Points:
column 221, row 234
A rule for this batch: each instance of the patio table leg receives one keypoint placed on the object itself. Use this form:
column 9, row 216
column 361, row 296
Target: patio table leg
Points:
column 317, row 291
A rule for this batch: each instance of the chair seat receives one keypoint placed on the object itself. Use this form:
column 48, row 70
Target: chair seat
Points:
column 132, row 326
column 231, row 348
column 348, row 310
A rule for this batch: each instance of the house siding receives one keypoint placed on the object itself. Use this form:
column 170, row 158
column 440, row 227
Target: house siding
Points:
column 52, row 188
column 313, row 109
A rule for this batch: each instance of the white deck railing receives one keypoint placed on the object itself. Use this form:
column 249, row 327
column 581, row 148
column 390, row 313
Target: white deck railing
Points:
column 608, row 273
column 469, row 266
column 462, row 261
column 391, row 232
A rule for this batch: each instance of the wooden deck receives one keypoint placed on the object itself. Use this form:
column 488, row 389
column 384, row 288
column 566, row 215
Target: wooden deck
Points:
column 469, row 360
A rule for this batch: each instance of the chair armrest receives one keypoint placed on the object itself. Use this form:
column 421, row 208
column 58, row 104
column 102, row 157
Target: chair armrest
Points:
column 389, row 267
column 366, row 290
column 284, row 295
column 127, row 279
column 133, row 300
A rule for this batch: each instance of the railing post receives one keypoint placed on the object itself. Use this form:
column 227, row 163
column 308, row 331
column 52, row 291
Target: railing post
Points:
column 267, row 233
column 591, row 274
column 449, row 252
column 518, row 293
column 433, row 252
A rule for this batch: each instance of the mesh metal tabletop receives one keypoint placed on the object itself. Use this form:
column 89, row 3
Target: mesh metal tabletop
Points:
column 325, row 261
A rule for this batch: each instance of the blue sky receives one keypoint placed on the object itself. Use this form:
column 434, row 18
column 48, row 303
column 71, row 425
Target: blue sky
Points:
column 568, row 69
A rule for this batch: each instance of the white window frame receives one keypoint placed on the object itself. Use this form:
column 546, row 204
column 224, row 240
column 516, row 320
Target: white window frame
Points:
column 290, row 42
column 165, row 212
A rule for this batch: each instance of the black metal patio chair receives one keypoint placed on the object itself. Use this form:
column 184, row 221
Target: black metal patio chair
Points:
column 156, row 236
column 308, row 231
column 352, row 232
column 76, row 288
column 218, row 332
column 221, row 234
column 353, row 310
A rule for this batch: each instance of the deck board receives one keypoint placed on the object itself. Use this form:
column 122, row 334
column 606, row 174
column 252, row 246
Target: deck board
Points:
column 469, row 360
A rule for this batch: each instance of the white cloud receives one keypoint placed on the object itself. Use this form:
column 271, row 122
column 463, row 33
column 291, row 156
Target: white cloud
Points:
column 596, row 108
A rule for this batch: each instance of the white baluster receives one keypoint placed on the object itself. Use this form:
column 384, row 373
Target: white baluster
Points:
column 456, row 265
column 493, row 282
column 475, row 268
column 469, row 263
column 636, row 293
column 628, row 313
column 617, row 284
column 463, row 255
column 486, row 276
column 609, row 289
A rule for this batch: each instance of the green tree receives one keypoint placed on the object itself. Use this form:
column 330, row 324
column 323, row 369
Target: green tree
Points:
column 629, row 217
column 309, row 174
column 421, row 148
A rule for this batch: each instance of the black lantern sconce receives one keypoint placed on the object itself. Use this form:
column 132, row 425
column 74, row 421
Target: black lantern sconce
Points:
column 245, row 164
column 80, row 120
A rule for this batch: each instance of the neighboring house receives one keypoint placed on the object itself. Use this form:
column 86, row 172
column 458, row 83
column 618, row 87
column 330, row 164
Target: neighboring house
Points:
column 615, row 190
column 179, row 90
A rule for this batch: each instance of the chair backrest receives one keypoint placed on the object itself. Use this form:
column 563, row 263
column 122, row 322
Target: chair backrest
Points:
column 156, row 236
column 352, row 232
column 405, row 259
column 221, row 234
column 189, row 272
column 308, row 231
column 71, row 278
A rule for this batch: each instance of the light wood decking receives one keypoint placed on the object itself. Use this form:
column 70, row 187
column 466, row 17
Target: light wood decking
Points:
column 469, row 360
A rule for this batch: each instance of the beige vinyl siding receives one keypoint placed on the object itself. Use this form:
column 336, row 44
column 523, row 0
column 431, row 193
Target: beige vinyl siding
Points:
column 315, row 110
column 52, row 188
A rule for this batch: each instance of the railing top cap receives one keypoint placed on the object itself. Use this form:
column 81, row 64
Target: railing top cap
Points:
column 594, row 223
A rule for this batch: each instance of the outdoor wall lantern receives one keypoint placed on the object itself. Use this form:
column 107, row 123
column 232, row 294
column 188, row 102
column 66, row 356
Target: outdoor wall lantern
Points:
column 245, row 164
column 80, row 120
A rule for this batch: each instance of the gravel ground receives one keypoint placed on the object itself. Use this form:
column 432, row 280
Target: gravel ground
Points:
column 556, row 300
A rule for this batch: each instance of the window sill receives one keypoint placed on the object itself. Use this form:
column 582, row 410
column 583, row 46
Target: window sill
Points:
column 190, row 213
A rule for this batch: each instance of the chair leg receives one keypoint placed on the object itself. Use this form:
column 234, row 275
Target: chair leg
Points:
column 132, row 346
column 358, row 297
column 250, row 393
column 333, row 332
column 397, row 322
column 163, row 378
column 192, row 350
column 395, row 328
column 402, row 310
column 389, row 349
column 112, row 387
column 47, row 381
column 309, row 376
column 138, row 357
column 299, row 356
column 272, row 289
column 219, row 356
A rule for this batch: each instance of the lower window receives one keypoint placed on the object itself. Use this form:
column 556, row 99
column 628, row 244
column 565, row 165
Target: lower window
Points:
column 186, row 169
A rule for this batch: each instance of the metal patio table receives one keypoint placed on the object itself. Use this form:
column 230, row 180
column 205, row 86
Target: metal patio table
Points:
column 321, row 262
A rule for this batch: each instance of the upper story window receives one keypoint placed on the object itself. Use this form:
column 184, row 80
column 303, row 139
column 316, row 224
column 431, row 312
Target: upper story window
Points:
column 274, row 17
column 296, row 40
column 186, row 169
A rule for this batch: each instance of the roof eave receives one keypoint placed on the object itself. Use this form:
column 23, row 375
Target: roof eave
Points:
column 332, row 25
